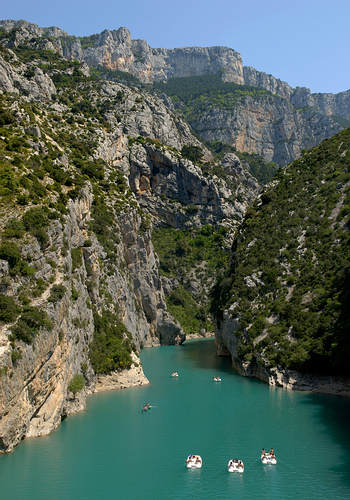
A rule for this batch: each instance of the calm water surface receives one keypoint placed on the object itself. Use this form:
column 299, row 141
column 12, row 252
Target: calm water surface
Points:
column 112, row 451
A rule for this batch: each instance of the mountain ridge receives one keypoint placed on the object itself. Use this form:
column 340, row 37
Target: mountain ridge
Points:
column 277, row 128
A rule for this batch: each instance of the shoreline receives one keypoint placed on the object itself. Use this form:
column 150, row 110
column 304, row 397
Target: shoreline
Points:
column 292, row 380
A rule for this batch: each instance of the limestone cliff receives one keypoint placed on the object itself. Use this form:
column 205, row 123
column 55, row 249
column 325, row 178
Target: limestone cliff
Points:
column 87, row 168
column 267, row 125
column 116, row 51
column 277, row 126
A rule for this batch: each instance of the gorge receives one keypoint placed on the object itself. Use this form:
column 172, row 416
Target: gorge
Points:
column 126, row 175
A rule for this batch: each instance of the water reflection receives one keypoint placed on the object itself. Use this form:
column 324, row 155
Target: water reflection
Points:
column 333, row 413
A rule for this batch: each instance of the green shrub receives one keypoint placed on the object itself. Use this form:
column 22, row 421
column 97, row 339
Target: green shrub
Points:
column 36, row 221
column 9, row 310
column 193, row 153
column 8, row 180
column 111, row 347
column 29, row 324
column 3, row 371
column 9, row 251
column 57, row 293
column 76, row 384
column 15, row 356
column 75, row 293
column 37, row 217
column 14, row 229
column 76, row 258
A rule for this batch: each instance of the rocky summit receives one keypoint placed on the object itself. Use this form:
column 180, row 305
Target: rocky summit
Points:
column 126, row 173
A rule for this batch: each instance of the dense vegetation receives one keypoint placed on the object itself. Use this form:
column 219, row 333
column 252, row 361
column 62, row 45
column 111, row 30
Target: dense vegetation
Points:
column 194, row 258
column 112, row 346
column 290, row 273
column 193, row 90
column 76, row 384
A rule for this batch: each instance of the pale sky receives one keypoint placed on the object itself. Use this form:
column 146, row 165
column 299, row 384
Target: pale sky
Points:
column 304, row 42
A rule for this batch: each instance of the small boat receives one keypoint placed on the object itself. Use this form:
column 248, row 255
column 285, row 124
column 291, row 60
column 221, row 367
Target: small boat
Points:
column 268, row 459
column 217, row 379
column 235, row 465
column 194, row 462
column 174, row 374
column 146, row 407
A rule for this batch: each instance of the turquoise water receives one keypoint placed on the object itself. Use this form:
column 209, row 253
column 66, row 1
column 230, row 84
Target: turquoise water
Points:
column 113, row 451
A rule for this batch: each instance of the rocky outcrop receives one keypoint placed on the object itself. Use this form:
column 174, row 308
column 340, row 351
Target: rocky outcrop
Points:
column 175, row 191
column 227, row 343
column 269, row 126
column 116, row 51
column 255, row 78
column 16, row 78
column 34, row 392
column 133, row 377
column 337, row 105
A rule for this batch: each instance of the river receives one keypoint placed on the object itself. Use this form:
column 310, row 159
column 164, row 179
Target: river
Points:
column 113, row 451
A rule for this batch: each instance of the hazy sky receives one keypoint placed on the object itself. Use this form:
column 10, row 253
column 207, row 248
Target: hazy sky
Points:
column 304, row 42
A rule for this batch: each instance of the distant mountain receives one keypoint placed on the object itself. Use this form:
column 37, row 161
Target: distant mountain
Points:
column 276, row 124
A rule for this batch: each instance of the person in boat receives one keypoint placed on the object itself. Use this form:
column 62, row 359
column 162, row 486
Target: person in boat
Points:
column 272, row 453
column 263, row 453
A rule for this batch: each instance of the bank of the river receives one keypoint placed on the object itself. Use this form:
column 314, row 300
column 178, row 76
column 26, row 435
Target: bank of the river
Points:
column 112, row 450
column 226, row 345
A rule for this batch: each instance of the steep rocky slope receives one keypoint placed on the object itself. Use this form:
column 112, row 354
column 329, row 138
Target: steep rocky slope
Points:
column 283, row 307
column 116, row 51
column 253, row 119
column 276, row 124
column 87, row 168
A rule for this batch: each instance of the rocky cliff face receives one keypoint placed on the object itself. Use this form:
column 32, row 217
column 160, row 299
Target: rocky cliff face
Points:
column 116, row 51
column 87, row 168
column 268, row 125
column 277, row 128
column 300, row 97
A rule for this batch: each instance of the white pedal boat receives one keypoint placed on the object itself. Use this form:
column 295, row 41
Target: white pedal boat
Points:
column 174, row 374
column 268, row 459
column 216, row 379
column 235, row 466
column 194, row 462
